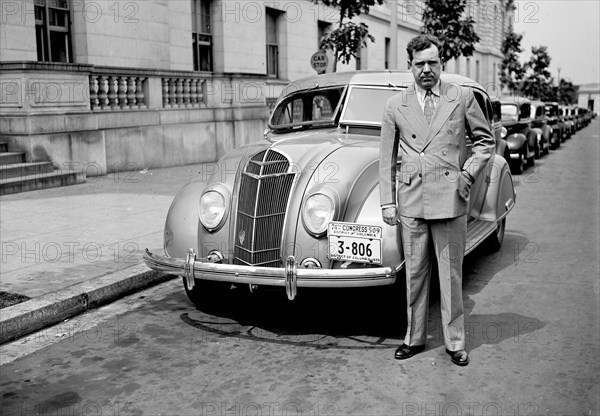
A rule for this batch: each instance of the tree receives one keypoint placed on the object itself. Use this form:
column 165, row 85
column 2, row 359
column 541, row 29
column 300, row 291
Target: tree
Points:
column 566, row 92
column 443, row 18
column 537, row 84
column 348, row 38
column 511, row 69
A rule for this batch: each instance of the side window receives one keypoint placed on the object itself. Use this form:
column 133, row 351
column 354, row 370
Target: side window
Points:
column 322, row 108
column 497, row 111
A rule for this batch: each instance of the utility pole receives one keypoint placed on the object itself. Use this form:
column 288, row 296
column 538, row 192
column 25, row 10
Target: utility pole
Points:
column 393, row 58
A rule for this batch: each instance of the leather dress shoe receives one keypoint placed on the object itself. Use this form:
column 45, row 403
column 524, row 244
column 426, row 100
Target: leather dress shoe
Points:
column 404, row 351
column 459, row 357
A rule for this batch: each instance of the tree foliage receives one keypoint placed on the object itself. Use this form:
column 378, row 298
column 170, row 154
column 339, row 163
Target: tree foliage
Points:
column 537, row 83
column 444, row 19
column 348, row 38
column 511, row 69
column 566, row 93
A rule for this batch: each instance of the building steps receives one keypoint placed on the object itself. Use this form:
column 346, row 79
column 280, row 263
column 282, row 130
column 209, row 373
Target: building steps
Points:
column 16, row 175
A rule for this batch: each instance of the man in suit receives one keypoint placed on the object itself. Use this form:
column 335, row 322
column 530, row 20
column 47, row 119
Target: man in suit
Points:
column 426, row 172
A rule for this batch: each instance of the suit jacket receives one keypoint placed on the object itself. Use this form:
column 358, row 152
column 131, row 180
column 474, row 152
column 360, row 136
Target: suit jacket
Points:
column 421, row 165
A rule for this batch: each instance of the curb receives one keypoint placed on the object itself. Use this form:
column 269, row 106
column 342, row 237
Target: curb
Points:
column 24, row 318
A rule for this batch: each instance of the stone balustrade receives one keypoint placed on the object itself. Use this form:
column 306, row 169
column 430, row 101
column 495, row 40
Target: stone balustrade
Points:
column 117, row 92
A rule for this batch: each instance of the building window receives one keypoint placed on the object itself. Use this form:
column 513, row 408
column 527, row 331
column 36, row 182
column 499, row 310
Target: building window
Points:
column 457, row 66
column 468, row 67
column 52, row 30
column 477, row 70
column 272, row 43
column 202, row 43
column 323, row 28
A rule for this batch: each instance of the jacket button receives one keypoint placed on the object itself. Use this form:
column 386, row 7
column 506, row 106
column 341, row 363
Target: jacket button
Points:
column 446, row 173
column 422, row 154
column 444, row 152
column 414, row 136
column 449, row 131
column 420, row 175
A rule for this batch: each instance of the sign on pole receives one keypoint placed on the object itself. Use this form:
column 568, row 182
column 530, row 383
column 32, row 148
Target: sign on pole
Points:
column 319, row 61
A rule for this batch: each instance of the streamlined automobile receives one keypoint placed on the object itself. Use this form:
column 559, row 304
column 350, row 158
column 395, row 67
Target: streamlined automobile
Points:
column 521, row 139
column 560, row 131
column 539, row 123
column 301, row 208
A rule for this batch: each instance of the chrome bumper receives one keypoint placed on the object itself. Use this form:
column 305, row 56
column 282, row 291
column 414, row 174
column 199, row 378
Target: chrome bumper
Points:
column 290, row 276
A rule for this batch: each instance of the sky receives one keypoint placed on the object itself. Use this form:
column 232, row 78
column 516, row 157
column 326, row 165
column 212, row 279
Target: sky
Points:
column 571, row 31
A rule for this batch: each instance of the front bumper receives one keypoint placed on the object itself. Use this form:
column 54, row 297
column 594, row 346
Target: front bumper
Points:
column 291, row 277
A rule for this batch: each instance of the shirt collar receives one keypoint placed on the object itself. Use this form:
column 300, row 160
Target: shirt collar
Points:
column 421, row 92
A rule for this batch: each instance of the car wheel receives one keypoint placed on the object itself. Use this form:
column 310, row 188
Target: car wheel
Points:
column 537, row 151
column 518, row 166
column 529, row 161
column 205, row 292
column 547, row 148
column 494, row 242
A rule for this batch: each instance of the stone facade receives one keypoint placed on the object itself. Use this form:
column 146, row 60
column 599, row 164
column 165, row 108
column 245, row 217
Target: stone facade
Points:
column 129, row 97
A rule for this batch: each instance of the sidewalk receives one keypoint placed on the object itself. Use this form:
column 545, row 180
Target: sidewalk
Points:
column 75, row 247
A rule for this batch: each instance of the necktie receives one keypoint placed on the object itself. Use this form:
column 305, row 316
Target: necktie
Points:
column 429, row 109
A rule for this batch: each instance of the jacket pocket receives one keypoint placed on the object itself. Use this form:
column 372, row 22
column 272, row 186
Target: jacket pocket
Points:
column 403, row 177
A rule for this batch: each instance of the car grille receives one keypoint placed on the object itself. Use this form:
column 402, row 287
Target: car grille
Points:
column 265, row 187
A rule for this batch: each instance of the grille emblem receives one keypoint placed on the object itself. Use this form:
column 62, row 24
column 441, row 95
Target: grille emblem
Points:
column 242, row 236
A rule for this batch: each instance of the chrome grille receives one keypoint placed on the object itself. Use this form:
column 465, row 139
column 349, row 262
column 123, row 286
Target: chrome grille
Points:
column 265, row 187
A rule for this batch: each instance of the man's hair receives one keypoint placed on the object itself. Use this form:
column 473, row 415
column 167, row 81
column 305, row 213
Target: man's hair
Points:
column 422, row 42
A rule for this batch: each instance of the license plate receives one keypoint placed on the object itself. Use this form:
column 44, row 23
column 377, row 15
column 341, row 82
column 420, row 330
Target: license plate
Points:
column 358, row 243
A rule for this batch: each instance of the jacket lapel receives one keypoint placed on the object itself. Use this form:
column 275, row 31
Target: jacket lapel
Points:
column 413, row 113
column 449, row 99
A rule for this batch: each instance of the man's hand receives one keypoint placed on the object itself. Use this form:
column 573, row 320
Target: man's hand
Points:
column 464, row 185
column 389, row 216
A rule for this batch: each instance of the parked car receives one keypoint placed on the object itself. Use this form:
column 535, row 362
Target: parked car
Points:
column 565, row 115
column 520, row 137
column 577, row 119
column 539, row 123
column 557, row 125
column 303, row 209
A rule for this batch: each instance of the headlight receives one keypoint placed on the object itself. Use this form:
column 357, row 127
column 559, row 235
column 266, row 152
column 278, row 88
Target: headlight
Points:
column 213, row 207
column 317, row 212
column 503, row 132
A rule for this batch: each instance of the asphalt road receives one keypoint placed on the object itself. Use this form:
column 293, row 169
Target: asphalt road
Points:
column 532, row 315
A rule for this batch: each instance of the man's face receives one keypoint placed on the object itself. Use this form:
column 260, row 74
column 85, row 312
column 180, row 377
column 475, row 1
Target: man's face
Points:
column 426, row 67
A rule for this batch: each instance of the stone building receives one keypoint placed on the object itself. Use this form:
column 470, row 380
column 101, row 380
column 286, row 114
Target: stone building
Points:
column 109, row 85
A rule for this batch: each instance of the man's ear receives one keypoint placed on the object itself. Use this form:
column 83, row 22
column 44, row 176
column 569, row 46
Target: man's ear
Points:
column 408, row 64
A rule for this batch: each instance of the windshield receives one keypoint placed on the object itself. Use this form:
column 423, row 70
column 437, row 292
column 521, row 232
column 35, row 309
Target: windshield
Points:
column 551, row 111
column 509, row 112
column 307, row 108
column 365, row 105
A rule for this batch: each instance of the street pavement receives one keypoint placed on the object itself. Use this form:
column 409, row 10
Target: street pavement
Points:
column 531, row 313
column 74, row 247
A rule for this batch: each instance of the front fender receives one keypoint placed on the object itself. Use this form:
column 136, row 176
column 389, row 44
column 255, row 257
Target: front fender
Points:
column 515, row 142
column 366, row 209
column 181, row 226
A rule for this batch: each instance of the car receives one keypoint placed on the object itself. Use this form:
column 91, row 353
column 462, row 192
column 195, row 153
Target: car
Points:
column 301, row 209
column 520, row 137
column 564, row 114
column 557, row 124
column 539, row 123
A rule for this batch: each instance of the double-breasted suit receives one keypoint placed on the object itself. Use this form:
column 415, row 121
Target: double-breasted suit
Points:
column 424, row 171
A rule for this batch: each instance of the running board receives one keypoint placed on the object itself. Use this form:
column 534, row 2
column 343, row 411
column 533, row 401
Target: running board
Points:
column 477, row 232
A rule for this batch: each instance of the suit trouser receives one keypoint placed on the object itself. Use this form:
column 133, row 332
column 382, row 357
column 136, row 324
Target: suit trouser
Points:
column 447, row 237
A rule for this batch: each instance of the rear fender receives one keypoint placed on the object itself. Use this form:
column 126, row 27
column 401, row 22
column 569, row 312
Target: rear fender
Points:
column 500, row 197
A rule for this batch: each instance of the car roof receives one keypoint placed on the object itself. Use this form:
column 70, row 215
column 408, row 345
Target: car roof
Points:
column 514, row 99
column 402, row 79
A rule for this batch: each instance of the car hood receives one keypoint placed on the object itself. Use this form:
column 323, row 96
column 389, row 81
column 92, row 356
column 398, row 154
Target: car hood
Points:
column 308, row 150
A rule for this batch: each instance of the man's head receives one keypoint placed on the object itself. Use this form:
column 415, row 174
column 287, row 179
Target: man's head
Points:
column 424, row 60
